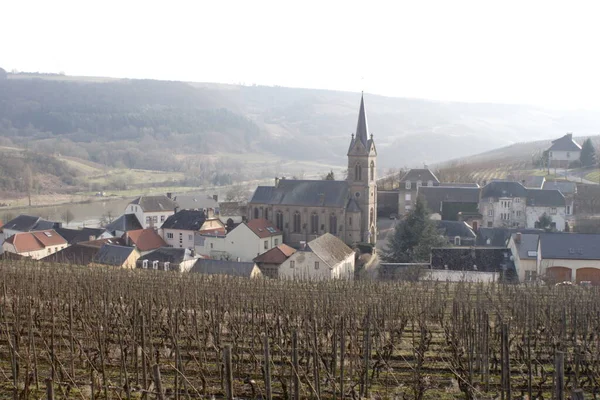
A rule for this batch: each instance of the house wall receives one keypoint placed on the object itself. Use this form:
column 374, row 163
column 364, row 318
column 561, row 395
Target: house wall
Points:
column 534, row 213
column 522, row 265
column 574, row 265
column 180, row 238
column 161, row 216
column 304, row 268
column 9, row 232
column 131, row 260
column 516, row 211
column 37, row 254
column 212, row 246
column 568, row 156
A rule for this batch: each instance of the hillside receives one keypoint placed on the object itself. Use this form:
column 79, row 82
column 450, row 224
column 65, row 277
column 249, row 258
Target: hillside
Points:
column 155, row 125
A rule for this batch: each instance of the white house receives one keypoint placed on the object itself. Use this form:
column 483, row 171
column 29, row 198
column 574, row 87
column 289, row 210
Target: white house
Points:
column 524, row 249
column 36, row 245
column 563, row 152
column 180, row 229
column 168, row 259
column 250, row 239
column 571, row 257
column 151, row 211
column 323, row 258
column 549, row 202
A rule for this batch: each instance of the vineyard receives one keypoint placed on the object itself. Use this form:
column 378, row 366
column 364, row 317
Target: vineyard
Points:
column 81, row 333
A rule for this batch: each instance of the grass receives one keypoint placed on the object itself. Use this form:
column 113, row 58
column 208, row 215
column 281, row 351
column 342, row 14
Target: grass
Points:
column 593, row 176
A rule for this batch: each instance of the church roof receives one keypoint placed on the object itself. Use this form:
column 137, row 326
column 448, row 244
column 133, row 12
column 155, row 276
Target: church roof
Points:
column 321, row 193
column 362, row 129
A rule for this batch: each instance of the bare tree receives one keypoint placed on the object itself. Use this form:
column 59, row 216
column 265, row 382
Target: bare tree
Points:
column 67, row 216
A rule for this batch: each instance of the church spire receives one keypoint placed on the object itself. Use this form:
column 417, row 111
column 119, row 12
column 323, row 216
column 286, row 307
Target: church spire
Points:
column 362, row 130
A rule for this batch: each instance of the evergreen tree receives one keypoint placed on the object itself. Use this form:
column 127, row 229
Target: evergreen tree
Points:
column 545, row 222
column 413, row 237
column 588, row 154
column 330, row 176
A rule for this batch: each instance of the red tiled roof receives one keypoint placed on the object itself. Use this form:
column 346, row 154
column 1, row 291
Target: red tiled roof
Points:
column 262, row 228
column 145, row 239
column 276, row 255
column 33, row 241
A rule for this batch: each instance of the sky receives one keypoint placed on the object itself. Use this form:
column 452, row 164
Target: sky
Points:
column 543, row 53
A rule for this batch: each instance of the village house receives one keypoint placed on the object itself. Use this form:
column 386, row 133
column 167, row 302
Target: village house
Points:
column 74, row 236
column 125, row 223
column 270, row 260
column 448, row 201
column 151, row 211
column 457, row 233
column 116, row 256
column 409, row 186
column 226, row 267
column 546, row 202
column 471, row 264
column 563, row 152
column 323, row 258
column 568, row 189
column 305, row 209
column 180, row 229
column 36, row 244
column 27, row 223
column 145, row 240
column 81, row 253
column 524, row 248
column 168, row 259
column 572, row 257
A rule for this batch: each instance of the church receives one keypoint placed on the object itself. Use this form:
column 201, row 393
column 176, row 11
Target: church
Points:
column 305, row 209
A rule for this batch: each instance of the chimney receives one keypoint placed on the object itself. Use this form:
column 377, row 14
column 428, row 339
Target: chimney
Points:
column 302, row 245
column 210, row 213
column 170, row 195
column 569, row 136
column 518, row 237
column 192, row 252
column 276, row 181
column 237, row 259
column 523, row 182
column 216, row 197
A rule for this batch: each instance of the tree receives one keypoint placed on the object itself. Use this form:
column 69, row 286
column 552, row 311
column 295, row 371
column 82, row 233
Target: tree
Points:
column 330, row 176
column 67, row 216
column 413, row 237
column 588, row 154
column 545, row 222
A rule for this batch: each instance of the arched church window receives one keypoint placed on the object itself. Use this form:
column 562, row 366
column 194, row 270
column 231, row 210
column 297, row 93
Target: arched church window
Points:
column 279, row 220
column 266, row 213
column 314, row 223
column 255, row 212
column 371, row 216
column 372, row 170
column 333, row 224
column 297, row 222
column 358, row 172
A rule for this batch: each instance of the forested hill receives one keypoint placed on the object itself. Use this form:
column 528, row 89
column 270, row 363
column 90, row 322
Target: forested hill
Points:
column 145, row 123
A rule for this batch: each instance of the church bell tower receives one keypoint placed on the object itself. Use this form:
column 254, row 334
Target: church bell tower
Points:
column 362, row 176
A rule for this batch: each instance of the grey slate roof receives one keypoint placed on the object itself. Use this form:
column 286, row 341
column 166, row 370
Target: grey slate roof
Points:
column 362, row 129
column 125, row 223
column 186, row 202
column 534, row 182
column 459, row 184
column 330, row 249
column 29, row 223
column 498, row 237
column 419, row 174
column 565, row 143
column 223, row 267
column 155, row 203
column 501, row 188
column 317, row 193
column 545, row 198
column 187, row 220
column 565, row 187
column 167, row 254
column 435, row 195
column 112, row 254
column 455, row 228
column 529, row 243
column 73, row 236
column 570, row 246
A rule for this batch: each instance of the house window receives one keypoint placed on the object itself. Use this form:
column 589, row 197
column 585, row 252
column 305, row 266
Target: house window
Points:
column 407, row 185
column 167, row 265
column 429, row 183
column 148, row 219
column 190, row 237
column 518, row 213
column 372, row 170
column 550, row 154
column 162, row 218
column 419, row 184
column 490, row 213
column 371, row 216
column 145, row 264
column 316, row 265
column 279, row 220
column 155, row 265
column 170, row 235
column 357, row 172
column 155, row 219
column 568, row 210
column 489, row 224
column 297, row 222
column 275, row 242
column 530, row 276
column 292, row 264
column 255, row 212
column 266, row 244
column 266, row 213
column 314, row 223
column 518, row 200
column 211, row 245
column 457, row 241
column 350, row 221
column 407, row 197
column 333, row 224
column 553, row 211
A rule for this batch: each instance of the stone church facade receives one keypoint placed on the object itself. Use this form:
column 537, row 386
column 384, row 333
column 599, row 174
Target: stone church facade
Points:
column 305, row 209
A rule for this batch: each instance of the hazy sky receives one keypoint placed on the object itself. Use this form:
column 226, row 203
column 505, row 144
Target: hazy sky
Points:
column 536, row 52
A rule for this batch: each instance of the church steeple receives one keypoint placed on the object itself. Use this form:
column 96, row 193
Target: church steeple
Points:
column 362, row 129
